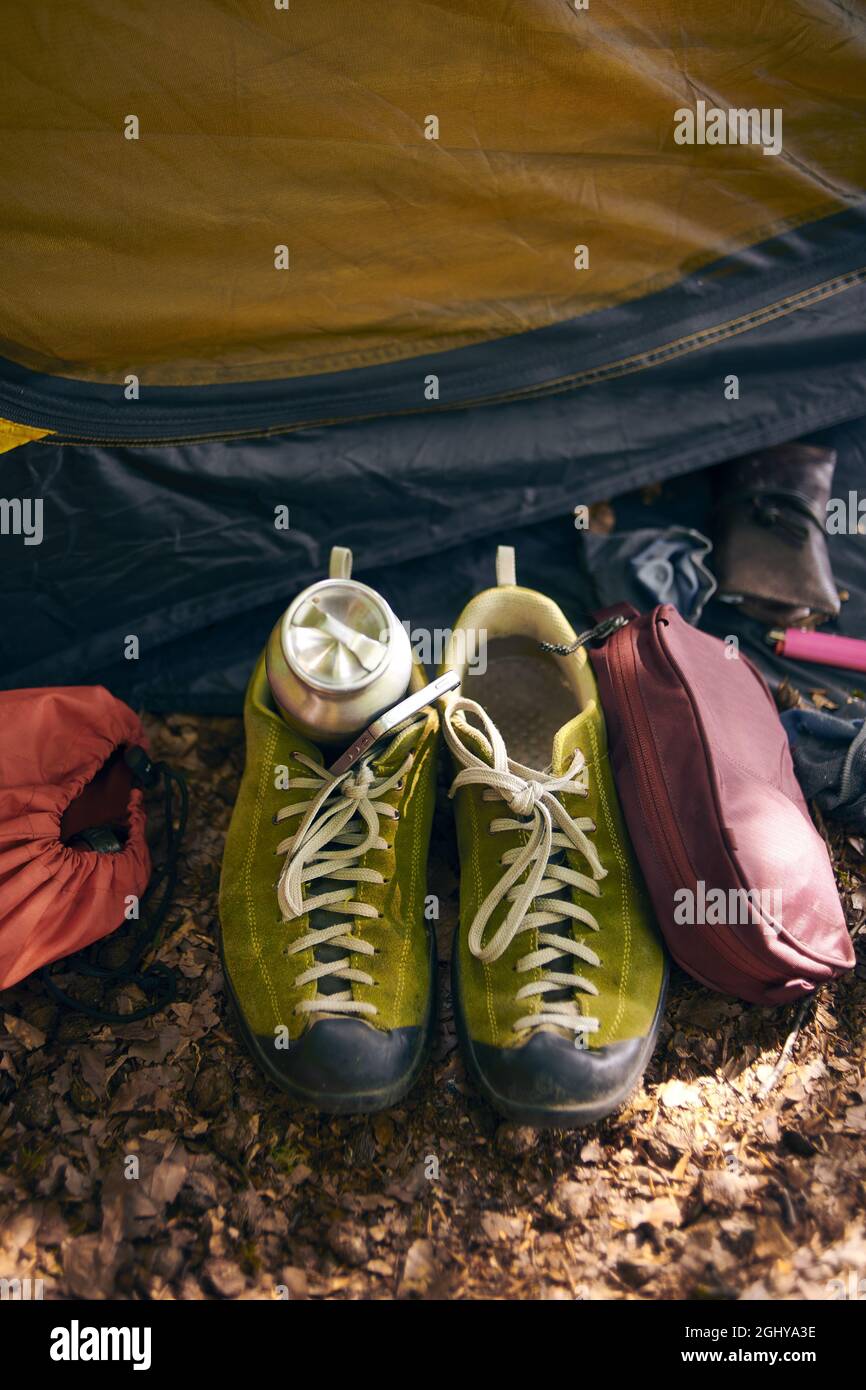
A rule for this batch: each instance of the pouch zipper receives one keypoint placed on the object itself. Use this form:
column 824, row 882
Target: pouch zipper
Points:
column 657, row 806
column 659, row 816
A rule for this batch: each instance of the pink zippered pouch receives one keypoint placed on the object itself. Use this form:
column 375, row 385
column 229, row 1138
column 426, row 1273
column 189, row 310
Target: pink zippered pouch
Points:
column 740, row 878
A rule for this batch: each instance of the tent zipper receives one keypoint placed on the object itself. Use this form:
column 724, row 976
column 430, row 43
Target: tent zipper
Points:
column 59, row 432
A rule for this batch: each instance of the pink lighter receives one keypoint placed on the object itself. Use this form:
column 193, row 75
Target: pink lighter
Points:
column 822, row 647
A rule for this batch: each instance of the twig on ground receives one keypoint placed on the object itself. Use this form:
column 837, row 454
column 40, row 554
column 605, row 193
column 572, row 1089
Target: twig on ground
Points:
column 788, row 1048
column 784, row 1198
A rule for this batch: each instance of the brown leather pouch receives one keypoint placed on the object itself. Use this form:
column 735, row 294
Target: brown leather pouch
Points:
column 770, row 543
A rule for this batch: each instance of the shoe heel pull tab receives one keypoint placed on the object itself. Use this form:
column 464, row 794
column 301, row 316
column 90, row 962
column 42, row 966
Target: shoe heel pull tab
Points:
column 506, row 565
column 341, row 563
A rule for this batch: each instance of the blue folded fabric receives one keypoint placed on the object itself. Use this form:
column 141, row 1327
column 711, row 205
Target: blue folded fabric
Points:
column 663, row 566
column 829, row 754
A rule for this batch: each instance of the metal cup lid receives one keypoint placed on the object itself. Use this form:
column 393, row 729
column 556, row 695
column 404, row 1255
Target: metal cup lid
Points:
column 337, row 635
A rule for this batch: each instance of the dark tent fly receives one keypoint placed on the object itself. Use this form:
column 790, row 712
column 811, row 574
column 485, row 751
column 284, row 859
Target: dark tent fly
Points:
column 460, row 309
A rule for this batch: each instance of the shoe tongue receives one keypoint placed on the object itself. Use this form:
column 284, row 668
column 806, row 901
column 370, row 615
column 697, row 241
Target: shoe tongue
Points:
column 473, row 739
column 575, row 734
column 393, row 754
column 387, row 763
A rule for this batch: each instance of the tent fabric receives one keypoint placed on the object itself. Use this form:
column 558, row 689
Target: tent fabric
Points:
column 432, row 372
column 12, row 435
column 150, row 247
column 775, row 291
column 178, row 548
column 160, row 165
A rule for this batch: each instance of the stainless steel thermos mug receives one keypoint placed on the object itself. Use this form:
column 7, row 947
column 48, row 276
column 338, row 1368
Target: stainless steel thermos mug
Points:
column 338, row 657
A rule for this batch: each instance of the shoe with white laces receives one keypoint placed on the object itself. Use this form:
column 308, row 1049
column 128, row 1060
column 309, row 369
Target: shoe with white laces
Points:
column 559, row 971
column 326, row 950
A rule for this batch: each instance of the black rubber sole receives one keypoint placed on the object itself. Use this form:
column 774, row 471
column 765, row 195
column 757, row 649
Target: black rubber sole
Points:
column 554, row 1116
column 355, row 1102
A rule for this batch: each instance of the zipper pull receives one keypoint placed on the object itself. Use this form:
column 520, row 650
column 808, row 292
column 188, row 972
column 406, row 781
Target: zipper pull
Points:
column 599, row 633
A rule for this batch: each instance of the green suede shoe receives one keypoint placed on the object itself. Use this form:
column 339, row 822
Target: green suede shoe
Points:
column 325, row 946
column 559, row 971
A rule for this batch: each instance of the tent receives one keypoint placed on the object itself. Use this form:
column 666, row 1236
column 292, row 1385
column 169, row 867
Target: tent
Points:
column 410, row 278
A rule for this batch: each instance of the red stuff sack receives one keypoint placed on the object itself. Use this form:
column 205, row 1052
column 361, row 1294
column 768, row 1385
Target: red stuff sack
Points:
column 740, row 879
column 65, row 787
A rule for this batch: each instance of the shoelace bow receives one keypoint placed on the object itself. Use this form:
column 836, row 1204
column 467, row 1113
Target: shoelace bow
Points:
column 327, row 821
column 532, row 794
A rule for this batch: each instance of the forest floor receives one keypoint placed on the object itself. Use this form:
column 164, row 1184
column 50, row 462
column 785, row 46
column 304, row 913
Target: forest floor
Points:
column 709, row 1185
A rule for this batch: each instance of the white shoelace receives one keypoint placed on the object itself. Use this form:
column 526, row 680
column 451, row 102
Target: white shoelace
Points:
column 311, row 853
column 532, row 794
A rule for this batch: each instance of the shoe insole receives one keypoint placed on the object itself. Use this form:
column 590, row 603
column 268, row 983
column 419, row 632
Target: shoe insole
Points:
column 526, row 694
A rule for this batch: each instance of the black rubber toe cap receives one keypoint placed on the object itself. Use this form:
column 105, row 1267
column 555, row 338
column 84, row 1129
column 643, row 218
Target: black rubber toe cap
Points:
column 546, row 1081
column 345, row 1066
column 549, row 1081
